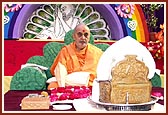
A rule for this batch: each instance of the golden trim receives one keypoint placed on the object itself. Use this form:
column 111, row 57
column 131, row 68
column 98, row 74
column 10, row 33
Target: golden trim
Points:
column 61, row 40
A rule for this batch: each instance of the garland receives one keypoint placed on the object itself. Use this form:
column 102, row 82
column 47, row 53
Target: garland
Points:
column 69, row 93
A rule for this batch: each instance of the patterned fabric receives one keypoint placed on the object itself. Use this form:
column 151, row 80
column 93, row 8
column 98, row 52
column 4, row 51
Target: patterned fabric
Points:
column 29, row 78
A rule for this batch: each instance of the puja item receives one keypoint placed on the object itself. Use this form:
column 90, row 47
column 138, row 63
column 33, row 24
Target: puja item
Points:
column 35, row 101
column 44, row 93
column 129, row 83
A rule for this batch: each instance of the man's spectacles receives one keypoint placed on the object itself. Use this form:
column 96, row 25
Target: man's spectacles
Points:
column 80, row 34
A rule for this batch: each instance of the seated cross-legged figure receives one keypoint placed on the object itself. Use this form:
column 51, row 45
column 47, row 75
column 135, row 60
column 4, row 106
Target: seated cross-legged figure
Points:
column 78, row 56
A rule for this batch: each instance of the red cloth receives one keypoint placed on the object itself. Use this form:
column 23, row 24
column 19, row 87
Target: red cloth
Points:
column 17, row 53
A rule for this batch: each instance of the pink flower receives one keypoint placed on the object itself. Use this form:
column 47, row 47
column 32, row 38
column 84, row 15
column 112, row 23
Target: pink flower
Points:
column 84, row 95
column 61, row 89
column 76, row 96
column 76, row 91
column 54, row 90
column 157, row 94
column 68, row 87
column 64, row 96
column 70, row 92
column 53, row 98
column 76, row 87
column 71, row 96
column 12, row 7
column 83, row 87
column 125, row 10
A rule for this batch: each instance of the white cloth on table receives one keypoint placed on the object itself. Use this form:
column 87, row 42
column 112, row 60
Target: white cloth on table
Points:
column 84, row 105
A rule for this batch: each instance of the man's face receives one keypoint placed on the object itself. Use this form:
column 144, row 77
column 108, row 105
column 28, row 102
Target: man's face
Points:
column 67, row 11
column 81, row 37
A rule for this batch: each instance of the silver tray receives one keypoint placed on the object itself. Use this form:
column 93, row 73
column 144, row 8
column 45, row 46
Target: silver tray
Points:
column 126, row 107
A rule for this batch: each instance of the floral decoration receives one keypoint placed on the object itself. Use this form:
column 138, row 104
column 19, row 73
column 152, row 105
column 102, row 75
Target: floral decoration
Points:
column 69, row 93
column 157, row 47
column 12, row 7
column 125, row 10
column 159, row 95
column 150, row 15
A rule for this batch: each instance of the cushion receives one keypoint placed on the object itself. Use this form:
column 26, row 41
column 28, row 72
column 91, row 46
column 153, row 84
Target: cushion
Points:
column 74, row 79
column 77, row 79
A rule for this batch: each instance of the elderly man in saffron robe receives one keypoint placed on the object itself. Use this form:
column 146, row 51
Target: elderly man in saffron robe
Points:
column 79, row 56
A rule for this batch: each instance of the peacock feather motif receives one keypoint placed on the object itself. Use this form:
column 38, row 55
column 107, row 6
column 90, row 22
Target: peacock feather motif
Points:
column 54, row 20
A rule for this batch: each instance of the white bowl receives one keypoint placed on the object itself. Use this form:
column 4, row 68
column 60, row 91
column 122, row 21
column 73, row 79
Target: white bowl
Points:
column 62, row 107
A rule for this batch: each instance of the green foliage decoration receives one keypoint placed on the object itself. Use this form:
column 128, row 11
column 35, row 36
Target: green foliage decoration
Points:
column 102, row 46
column 156, row 80
column 29, row 78
column 50, row 51
column 149, row 12
column 39, row 60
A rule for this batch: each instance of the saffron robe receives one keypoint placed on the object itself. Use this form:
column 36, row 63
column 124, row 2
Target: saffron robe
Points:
column 85, row 60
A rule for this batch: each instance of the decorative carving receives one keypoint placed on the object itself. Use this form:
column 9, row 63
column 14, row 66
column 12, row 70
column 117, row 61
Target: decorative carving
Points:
column 130, row 70
column 129, row 84
column 137, row 93
column 105, row 89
